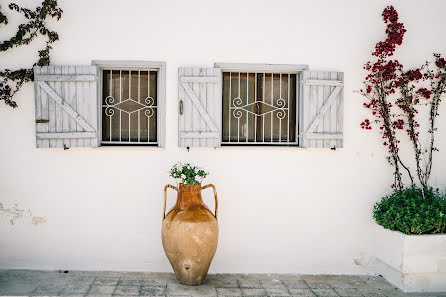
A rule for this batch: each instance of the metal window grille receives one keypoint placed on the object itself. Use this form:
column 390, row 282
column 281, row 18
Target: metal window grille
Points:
column 259, row 108
column 129, row 107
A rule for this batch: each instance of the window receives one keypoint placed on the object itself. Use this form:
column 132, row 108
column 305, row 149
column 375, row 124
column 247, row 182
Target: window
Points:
column 129, row 107
column 131, row 100
column 259, row 108
column 260, row 104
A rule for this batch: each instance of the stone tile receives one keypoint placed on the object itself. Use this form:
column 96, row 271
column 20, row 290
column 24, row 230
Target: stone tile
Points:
column 394, row 293
column 221, row 282
column 132, row 275
column 302, row 293
column 370, row 292
column 75, row 289
column 4, row 278
column 86, row 283
column 154, row 282
column 228, row 276
column 341, row 284
column 17, row 272
column 154, row 291
column 277, row 291
column 250, row 292
column 325, row 293
column 316, row 277
column 109, row 274
column 106, row 281
column 164, row 276
column 127, row 290
column 250, row 283
column 81, row 280
column 357, row 281
column 251, row 276
column 47, row 290
column 177, row 289
column 274, row 283
column 16, row 288
column 227, row 292
column 359, row 278
column 288, row 277
column 101, row 290
column 347, row 292
column 85, row 273
column 130, row 282
column 319, row 285
column 71, row 273
column 296, row 284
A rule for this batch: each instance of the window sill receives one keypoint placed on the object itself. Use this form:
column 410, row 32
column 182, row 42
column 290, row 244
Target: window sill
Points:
column 258, row 148
column 130, row 148
column 270, row 148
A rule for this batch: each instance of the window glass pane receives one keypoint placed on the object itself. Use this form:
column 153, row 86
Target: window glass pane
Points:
column 153, row 101
column 239, row 98
column 128, row 108
column 259, row 108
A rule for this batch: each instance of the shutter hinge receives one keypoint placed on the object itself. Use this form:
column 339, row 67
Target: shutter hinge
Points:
column 41, row 121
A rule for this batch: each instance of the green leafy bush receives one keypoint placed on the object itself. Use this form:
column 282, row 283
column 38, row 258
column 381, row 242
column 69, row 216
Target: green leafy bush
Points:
column 411, row 213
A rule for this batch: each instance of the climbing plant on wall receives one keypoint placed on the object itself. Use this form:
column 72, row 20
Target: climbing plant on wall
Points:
column 12, row 80
column 395, row 95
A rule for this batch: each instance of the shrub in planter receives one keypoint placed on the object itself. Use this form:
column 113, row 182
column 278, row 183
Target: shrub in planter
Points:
column 410, row 212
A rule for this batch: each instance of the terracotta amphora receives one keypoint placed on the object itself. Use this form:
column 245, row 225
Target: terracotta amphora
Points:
column 190, row 234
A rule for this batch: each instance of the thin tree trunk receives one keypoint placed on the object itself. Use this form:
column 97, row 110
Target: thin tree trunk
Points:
column 433, row 114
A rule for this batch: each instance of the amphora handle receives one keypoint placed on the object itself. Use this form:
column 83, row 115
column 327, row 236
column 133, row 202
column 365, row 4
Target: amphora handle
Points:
column 165, row 198
column 215, row 195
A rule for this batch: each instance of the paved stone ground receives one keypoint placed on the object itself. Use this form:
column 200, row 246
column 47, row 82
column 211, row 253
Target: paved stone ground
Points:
column 87, row 283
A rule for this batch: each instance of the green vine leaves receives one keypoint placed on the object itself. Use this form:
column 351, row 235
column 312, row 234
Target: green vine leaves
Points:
column 12, row 80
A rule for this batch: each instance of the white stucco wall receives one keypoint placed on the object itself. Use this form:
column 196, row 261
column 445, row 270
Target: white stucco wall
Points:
column 284, row 210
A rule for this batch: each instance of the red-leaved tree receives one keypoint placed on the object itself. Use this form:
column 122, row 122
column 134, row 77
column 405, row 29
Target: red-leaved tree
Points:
column 423, row 86
column 380, row 83
column 393, row 97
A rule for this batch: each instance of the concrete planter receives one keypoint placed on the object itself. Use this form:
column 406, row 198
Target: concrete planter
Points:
column 414, row 263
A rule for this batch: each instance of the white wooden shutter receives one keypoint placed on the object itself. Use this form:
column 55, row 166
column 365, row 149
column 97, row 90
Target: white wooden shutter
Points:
column 66, row 106
column 199, row 95
column 323, row 109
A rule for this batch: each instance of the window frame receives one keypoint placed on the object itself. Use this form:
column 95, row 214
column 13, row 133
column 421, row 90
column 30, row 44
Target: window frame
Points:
column 158, row 66
column 273, row 68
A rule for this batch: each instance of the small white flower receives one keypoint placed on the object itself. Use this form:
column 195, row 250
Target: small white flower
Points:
column 183, row 176
column 196, row 170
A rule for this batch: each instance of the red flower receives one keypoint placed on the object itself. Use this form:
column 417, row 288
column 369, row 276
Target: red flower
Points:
column 424, row 92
